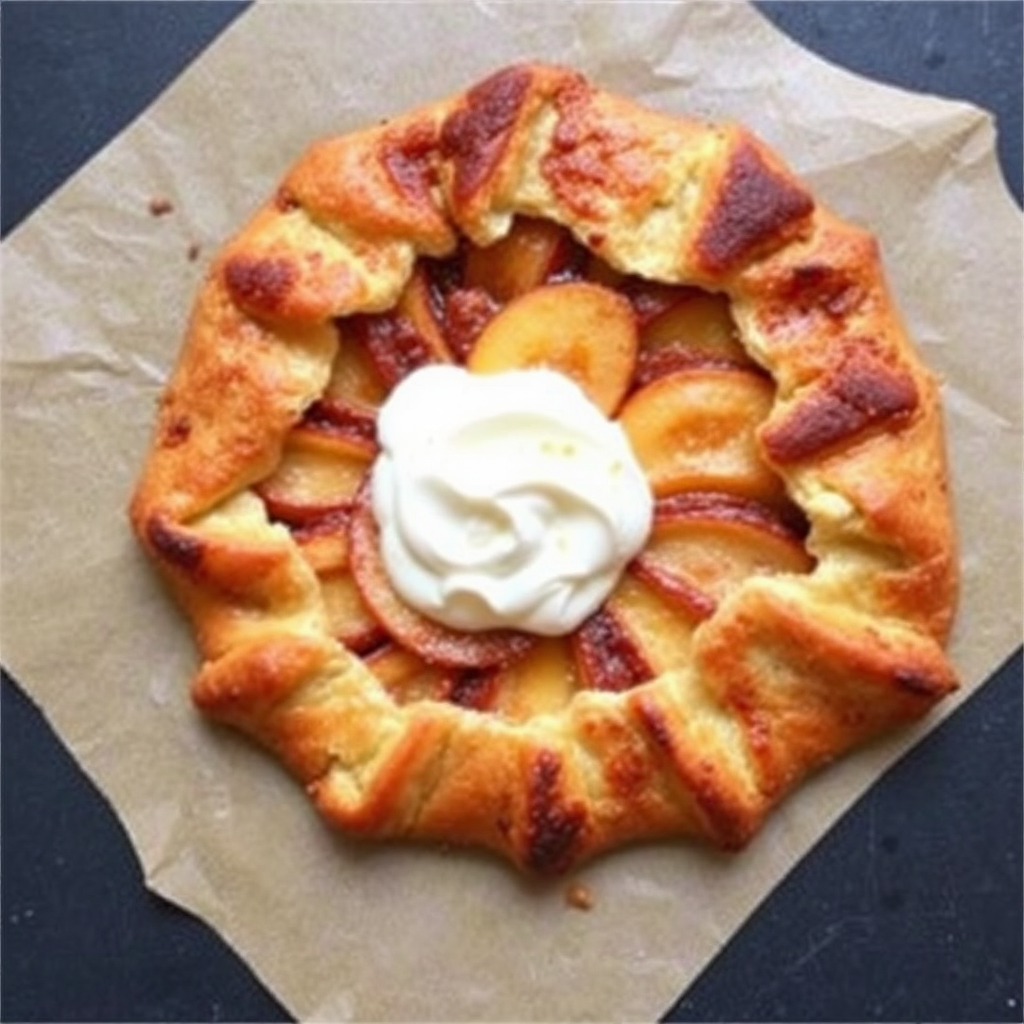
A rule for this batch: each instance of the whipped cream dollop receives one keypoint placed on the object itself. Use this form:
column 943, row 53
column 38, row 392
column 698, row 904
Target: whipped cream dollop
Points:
column 504, row 500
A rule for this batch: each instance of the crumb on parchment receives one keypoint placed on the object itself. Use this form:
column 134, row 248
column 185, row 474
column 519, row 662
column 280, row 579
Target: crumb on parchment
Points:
column 160, row 206
column 579, row 896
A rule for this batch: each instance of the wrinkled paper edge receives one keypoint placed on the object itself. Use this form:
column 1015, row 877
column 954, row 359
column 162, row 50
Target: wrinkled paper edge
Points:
column 184, row 873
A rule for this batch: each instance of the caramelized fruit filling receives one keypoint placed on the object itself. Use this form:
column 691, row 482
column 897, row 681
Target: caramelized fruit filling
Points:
column 665, row 361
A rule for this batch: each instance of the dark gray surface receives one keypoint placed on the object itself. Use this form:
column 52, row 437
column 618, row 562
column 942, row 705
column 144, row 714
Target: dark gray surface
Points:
column 910, row 909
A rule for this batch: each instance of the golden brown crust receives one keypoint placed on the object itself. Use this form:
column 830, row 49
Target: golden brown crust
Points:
column 785, row 674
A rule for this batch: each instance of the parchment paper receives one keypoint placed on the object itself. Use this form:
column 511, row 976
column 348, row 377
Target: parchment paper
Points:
column 96, row 291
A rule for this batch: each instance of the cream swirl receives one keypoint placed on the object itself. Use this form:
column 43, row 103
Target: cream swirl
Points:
column 505, row 500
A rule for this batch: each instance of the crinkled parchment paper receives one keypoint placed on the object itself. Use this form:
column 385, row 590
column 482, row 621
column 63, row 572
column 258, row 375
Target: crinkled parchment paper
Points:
column 96, row 293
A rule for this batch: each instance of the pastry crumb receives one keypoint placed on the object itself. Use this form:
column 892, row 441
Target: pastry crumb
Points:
column 579, row 896
column 160, row 206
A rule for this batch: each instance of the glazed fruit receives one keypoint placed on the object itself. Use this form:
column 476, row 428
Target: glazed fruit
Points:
column 721, row 516
column 534, row 252
column 695, row 430
column 581, row 329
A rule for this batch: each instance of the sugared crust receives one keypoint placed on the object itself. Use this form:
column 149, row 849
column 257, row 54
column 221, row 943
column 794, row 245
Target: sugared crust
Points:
column 786, row 674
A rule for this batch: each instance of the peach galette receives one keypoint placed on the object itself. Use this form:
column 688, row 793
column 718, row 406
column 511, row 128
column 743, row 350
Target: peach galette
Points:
column 542, row 472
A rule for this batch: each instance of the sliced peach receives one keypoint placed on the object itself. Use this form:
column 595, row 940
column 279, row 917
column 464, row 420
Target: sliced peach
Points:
column 532, row 253
column 652, row 299
column 695, row 430
column 698, row 319
column 714, row 542
column 649, row 299
column 431, row 640
column 319, row 473
column 422, row 305
column 661, row 627
column 406, row 676
column 474, row 688
column 696, row 329
column 324, row 541
column 355, row 441
column 467, row 312
column 580, row 329
column 541, row 682
column 660, row 362
column 393, row 345
column 784, row 519
column 608, row 655
column 336, row 416
column 348, row 618
column 679, row 591
column 354, row 378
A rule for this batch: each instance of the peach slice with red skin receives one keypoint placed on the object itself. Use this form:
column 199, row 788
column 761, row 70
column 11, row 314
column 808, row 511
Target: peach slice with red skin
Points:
column 786, row 521
column 408, row 678
column 422, row 305
column 652, row 299
column 708, row 544
column 542, row 681
column 680, row 326
column 389, row 346
column 649, row 299
column 677, row 590
column 467, row 312
column 696, row 330
column 348, row 619
column 474, row 688
column 661, row 626
column 324, row 541
column 660, row 362
column 393, row 344
column 580, row 329
column 608, row 655
column 324, row 544
column 336, row 416
column 319, row 472
column 695, row 430
column 405, row 675
column 354, row 378
column 698, row 320
column 531, row 254
column 431, row 640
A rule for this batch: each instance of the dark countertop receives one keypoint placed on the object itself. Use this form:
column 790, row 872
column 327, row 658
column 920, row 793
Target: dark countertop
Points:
column 910, row 909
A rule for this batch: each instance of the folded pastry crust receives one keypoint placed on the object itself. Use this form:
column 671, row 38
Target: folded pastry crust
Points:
column 789, row 672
